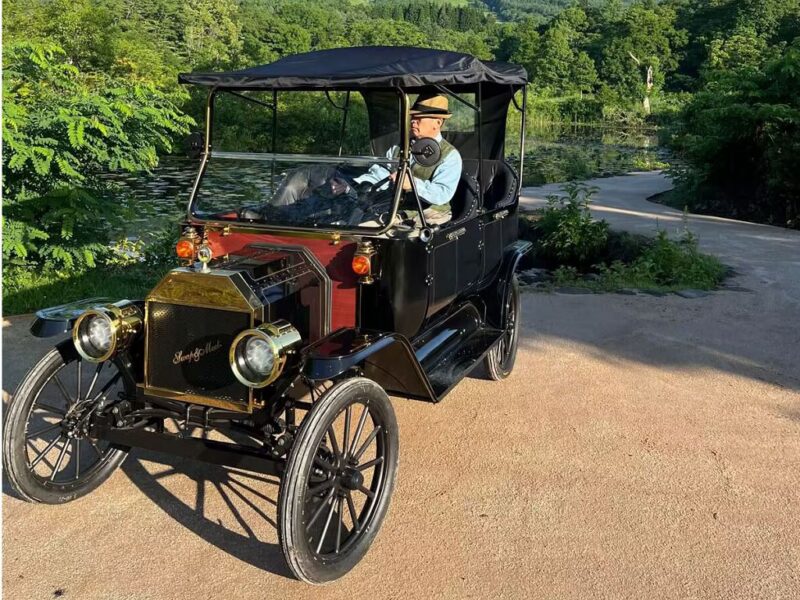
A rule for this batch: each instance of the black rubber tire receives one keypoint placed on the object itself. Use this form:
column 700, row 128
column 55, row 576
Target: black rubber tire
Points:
column 499, row 362
column 301, row 558
column 15, row 461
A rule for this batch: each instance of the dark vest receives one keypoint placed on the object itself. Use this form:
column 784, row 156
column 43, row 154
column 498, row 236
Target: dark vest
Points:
column 426, row 173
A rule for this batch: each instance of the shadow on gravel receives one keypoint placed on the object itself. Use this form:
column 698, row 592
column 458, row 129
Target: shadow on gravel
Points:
column 239, row 490
column 669, row 332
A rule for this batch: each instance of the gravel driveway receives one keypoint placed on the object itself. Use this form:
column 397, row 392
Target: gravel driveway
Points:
column 645, row 447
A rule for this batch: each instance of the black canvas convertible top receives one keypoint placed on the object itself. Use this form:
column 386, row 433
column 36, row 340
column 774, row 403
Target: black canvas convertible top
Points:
column 369, row 66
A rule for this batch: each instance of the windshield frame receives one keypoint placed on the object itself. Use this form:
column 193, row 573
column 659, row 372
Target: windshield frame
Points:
column 208, row 153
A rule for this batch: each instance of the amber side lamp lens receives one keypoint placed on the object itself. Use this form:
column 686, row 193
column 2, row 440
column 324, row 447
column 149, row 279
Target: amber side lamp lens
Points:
column 361, row 265
column 185, row 249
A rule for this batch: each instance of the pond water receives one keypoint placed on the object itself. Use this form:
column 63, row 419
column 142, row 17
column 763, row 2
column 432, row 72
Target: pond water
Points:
column 159, row 197
column 554, row 152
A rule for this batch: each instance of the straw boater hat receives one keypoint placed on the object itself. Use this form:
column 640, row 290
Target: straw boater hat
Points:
column 431, row 106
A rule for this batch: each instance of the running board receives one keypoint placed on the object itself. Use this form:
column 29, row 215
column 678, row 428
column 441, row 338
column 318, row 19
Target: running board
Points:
column 457, row 364
column 425, row 368
column 450, row 349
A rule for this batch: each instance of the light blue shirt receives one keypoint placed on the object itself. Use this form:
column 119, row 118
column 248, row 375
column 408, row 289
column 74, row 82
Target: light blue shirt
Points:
column 438, row 190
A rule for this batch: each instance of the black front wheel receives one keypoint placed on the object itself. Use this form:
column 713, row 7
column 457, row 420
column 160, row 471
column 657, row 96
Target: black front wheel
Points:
column 338, row 481
column 49, row 455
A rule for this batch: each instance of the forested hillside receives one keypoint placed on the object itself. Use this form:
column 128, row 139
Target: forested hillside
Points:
column 540, row 10
column 91, row 86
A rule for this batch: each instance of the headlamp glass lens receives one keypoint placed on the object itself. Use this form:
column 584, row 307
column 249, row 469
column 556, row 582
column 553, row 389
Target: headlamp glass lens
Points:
column 99, row 334
column 258, row 355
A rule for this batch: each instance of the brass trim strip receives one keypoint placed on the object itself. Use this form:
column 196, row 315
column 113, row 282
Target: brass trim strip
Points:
column 196, row 399
column 269, row 156
column 164, row 300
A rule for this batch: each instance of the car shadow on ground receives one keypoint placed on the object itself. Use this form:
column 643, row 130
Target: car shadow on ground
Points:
column 239, row 491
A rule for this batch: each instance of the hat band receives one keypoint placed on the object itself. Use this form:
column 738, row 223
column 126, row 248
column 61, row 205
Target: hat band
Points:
column 430, row 110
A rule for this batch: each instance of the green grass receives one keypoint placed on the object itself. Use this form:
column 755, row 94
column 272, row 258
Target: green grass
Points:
column 26, row 291
column 702, row 272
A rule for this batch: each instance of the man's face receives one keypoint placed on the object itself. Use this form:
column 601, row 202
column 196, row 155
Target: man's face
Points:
column 425, row 126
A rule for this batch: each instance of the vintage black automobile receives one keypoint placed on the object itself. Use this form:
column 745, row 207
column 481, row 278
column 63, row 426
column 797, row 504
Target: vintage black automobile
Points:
column 276, row 346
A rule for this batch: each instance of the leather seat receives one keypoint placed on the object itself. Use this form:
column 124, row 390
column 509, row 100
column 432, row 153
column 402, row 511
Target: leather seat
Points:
column 464, row 203
column 501, row 186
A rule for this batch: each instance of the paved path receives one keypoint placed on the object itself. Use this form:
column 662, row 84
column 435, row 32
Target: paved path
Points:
column 757, row 327
column 643, row 448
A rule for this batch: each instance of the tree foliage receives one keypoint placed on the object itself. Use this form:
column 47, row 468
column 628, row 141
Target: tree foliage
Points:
column 741, row 136
column 62, row 131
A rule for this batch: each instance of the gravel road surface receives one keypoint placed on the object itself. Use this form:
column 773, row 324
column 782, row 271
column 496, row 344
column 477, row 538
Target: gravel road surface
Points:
column 645, row 447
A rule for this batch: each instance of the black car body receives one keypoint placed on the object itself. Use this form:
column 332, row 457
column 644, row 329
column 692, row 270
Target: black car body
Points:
column 290, row 325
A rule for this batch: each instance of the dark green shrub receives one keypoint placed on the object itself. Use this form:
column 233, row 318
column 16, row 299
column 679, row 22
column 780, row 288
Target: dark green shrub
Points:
column 569, row 235
column 740, row 138
column 663, row 264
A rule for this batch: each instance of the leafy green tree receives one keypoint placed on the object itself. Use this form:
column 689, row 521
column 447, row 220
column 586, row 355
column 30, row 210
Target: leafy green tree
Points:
column 266, row 36
column 584, row 73
column 740, row 136
column 519, row 43
column 552, row 68
column 212, row 33
column 636, row 53
column 771, row 21
column 743, row 48
column 62, row 131
column 384, row 32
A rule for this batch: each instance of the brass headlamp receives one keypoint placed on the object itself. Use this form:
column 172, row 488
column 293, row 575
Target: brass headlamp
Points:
column 101, row 332
column 257, row 356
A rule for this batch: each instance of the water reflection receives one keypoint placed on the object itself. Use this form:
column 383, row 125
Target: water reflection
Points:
column 556, row 152
column 160, row 196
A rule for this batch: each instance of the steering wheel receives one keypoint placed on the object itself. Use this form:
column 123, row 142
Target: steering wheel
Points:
column 377, row 185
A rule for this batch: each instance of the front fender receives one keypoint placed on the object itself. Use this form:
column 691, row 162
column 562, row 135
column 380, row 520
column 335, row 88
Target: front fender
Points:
column 127, row 367
column 60, row 319
column 386, row 358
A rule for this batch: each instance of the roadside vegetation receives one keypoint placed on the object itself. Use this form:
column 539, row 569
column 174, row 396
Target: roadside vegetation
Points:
column 90, row 87
column 578, row 251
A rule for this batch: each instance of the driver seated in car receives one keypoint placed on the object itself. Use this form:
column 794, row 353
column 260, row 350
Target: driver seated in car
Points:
column 435, row 184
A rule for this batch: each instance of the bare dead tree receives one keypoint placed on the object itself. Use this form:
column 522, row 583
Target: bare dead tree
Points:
column 648, row 82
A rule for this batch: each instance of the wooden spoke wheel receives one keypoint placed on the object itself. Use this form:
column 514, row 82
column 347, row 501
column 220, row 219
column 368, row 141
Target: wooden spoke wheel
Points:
column 48, row 453
column 338, row 481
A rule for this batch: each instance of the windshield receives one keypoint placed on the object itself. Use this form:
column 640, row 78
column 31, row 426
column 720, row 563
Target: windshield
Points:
column 282, row 190
column 301, row 159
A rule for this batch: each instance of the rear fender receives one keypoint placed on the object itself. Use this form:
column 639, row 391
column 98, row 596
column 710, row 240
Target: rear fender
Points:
column 386, row 358
column 496, row 294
